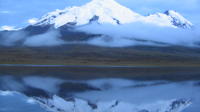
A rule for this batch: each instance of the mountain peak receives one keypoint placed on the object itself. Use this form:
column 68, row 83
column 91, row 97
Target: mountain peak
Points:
column 178, row 19
column 103, row 1
column 109, row 11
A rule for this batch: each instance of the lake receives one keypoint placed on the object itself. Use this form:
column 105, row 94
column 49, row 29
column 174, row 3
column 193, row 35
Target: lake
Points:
column 32, row 88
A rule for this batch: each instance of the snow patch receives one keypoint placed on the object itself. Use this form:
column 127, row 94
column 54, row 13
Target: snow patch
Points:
column 178, row 19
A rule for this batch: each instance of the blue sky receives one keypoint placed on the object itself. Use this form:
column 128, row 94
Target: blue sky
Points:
column 17, row 12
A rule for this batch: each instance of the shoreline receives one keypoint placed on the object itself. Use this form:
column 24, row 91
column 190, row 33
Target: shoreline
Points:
column 92, row 66
column 99, row 65
column 98, row 72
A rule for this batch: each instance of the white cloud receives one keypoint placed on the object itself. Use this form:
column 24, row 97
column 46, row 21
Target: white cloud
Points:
column 50, row 38
column 5, row 27
column 5, row 12
column 32, row 20
column 139, row 33
column 11, row 38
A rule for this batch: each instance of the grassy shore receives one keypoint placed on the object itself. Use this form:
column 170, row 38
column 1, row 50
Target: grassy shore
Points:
column 91, row 55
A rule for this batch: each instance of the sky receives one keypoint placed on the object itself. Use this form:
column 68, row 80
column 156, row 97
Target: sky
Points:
column 19, row 12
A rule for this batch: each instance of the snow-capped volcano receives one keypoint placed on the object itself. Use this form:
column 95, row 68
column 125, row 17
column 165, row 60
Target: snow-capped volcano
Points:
column 109, row 11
